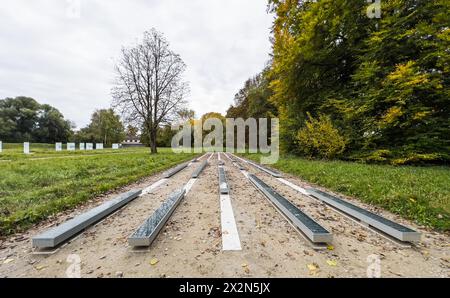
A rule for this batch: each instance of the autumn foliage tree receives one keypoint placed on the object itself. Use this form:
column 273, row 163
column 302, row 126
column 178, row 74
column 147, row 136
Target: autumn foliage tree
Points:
column 382, row 83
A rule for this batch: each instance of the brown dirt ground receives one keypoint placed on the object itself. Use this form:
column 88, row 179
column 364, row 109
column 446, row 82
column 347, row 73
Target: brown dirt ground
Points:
column 190, row 244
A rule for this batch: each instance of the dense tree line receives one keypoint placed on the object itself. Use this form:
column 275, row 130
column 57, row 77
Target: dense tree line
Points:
column 377, row 89
column 23, row 119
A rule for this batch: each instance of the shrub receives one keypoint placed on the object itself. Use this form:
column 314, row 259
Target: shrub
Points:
column 319, row 138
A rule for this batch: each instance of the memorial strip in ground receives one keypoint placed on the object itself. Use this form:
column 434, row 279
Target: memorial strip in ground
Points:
column 387, row 226
column 223, row 184
column 56, row 236
column 175, row 170
column 149, row 230
column 200, row 169
column 264, row 169
column 310, row 228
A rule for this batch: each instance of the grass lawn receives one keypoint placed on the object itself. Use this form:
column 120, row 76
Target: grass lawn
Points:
column 421, row 194
column 15, row 151
column 33, row 189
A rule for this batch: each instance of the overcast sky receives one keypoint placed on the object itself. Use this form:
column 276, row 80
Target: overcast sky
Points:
column 62, row 52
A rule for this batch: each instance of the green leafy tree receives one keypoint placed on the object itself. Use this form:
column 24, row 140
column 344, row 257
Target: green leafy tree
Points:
column 105, row 127
column 24, row 119
column 383, row 82
column 402, row 96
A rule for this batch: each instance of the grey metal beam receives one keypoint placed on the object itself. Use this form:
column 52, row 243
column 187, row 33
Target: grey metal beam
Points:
column 175, row 170
column 147, row 233
column 264, row 169
column 223, row 184
column 65, row 231
column 387, row 226
column 310, row 228
column 200, row 169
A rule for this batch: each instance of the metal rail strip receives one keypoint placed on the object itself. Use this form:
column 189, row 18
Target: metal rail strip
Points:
column 310, row 228
column 67, row 230
column 149, row 230
column 200, row 169
column 264, row 169
column 223, row 184
column 387, row 226
column 175, row 170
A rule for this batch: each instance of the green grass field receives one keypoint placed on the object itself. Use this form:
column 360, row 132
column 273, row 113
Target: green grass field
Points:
column 15, row 151
column 42, row 184
column 421, row 194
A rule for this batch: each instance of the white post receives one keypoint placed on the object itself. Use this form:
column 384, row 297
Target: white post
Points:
column 99, row 146
column 1, row 146
column 89, row 146
column 115, row 146
column 58, row 146
column 26, row 148
column 70, row 146
column 81, row 146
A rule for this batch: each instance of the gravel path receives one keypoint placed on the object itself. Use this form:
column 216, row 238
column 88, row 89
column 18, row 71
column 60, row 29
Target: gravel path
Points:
column 191, row 243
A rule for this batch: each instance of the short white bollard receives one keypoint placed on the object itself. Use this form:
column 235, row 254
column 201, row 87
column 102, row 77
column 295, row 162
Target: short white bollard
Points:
column 99, row 146
column 26, row 148
column 58, row 146
column 82, row 146
column 70, row 146
column 1, row 146
column 89, row 146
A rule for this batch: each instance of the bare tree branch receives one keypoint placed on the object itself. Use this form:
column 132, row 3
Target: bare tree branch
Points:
column 149, row 88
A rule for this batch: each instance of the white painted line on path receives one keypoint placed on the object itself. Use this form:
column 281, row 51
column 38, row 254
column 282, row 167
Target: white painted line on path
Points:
column 293, row 186
column 230, row 234
column 153, row 187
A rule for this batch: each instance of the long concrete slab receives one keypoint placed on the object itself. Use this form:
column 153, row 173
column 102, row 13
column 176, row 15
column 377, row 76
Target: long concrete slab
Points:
column 56, row 236
column 200, row 169
column 175, row 170
column 309, row 227
column 387, row 226
column 149, row 230
column 223, row 183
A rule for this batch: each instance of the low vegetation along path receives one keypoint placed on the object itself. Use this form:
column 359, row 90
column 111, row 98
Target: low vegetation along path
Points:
column 191, row 244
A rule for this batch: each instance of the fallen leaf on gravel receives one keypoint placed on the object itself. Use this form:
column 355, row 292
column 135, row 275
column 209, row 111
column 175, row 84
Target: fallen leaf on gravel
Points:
column 332, row 263
column 313, row 269
column 7, row 261
column 330, row 247
column 39, row 268
column 154, row 261
column 244, row 265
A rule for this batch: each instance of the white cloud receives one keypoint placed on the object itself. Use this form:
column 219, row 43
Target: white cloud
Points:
column 68, row 62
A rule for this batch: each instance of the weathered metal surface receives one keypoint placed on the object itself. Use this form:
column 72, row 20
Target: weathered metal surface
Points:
column 387, row 226
column 175, row 170
column 200, row 169
column 149, row 230
column 64, row 232
column 262, row 168
column 223, row 184
column 314, row 231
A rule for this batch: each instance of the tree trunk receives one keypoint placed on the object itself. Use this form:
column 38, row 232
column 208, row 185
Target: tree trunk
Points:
column 154, row 142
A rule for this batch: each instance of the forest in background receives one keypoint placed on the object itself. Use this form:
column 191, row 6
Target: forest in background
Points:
column 357, row 88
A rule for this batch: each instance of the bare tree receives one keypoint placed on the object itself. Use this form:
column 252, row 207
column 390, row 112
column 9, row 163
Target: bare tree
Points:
column 149, row 88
